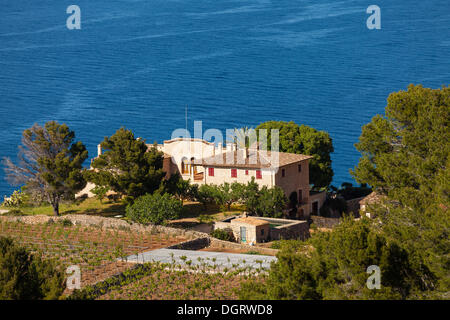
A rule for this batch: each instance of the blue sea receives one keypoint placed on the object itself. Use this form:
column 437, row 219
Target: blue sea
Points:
column 235, row 63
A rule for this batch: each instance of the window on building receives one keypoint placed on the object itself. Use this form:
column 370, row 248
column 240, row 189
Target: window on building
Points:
column 193, row 168
column 233, row 173
column 262, row 232
column 211, row 172
column 283, row 172
column 301, row 213
column 300, row 196
column 246, row 172
column 258, row 174
column 184, row 167
column 299, row 168
column 243, row 231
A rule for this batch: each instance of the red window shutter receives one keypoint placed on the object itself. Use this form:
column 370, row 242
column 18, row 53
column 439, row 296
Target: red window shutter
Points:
column 233, row 173
column 211, row 172
column 246, row 172
column 258, row 174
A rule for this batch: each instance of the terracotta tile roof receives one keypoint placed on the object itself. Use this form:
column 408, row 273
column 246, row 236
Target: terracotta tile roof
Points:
column 255, row 159
column 251, row 220
column 373, row 197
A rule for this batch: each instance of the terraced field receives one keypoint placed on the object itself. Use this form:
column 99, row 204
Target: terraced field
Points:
column 166, row 281
column 99, row 253
column 107, row 273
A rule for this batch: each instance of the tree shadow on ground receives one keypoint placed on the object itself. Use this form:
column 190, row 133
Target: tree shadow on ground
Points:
column 195, row 209
column 113, row 210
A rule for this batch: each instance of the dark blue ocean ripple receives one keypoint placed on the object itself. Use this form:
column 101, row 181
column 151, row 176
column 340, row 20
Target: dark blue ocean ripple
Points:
column 234, row 63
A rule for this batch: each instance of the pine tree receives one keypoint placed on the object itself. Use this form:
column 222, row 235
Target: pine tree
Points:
column 50, row 163
column 305, row 140
column 127, row 166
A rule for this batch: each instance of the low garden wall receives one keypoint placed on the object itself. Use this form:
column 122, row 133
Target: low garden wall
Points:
column 105, row 223
column 213, row 243
column 353, row 206
column 288, row 229
column 199, row 240
column 221, row 244
column 324, row 222
column 195, row 244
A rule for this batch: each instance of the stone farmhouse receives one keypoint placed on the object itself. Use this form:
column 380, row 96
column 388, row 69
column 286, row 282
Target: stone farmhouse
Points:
column 205, row 163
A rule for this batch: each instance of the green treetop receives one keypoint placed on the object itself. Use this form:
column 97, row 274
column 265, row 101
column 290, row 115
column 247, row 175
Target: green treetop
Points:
column 50, row 163
column 305, row 140
column 405, row 152
column 127, row 165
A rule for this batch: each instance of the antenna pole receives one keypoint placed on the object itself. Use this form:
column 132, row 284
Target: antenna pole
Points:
column 186, row 117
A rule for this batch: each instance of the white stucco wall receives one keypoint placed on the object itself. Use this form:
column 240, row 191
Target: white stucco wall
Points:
column 222, row 175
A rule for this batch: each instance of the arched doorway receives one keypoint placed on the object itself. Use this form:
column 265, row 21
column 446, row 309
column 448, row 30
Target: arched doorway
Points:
column 193, row 168
column 184, row 166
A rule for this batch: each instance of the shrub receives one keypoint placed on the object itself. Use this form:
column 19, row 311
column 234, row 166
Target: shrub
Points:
column 331, row 205
column 204, row 218
column 253, row 252
column 288, row 244
column 208, row 194
column 335, row 267
column 100, row 192
column 348, row 191
column 182, row 189
column 223, row 234
column 228, row 194
column 66, row 223
column 17, row 199
column 25, row 276
column 267, row 202
column 14, row 212
column 154, row 208
column 271, row 202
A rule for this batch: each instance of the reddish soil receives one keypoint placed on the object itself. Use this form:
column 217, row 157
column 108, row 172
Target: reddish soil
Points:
column 96, row 251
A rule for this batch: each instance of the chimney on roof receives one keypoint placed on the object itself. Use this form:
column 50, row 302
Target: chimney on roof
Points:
column 99, row 150
column 219, row 148
column 229, row 147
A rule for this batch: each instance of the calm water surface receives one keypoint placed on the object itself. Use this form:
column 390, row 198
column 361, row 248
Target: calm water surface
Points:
column 234, row 63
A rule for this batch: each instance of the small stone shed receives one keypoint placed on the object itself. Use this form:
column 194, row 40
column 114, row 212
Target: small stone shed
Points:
column 261, row 229
column 370, row 199
column 250, row 229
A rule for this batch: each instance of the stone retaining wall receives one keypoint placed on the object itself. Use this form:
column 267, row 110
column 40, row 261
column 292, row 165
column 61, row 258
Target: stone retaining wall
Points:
column 221, row 244
column 105, row 223
column 213, row 243
column 324, row 222
column 199, row 240
column 298, row 230
column 195, row 244
column 353, row 206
